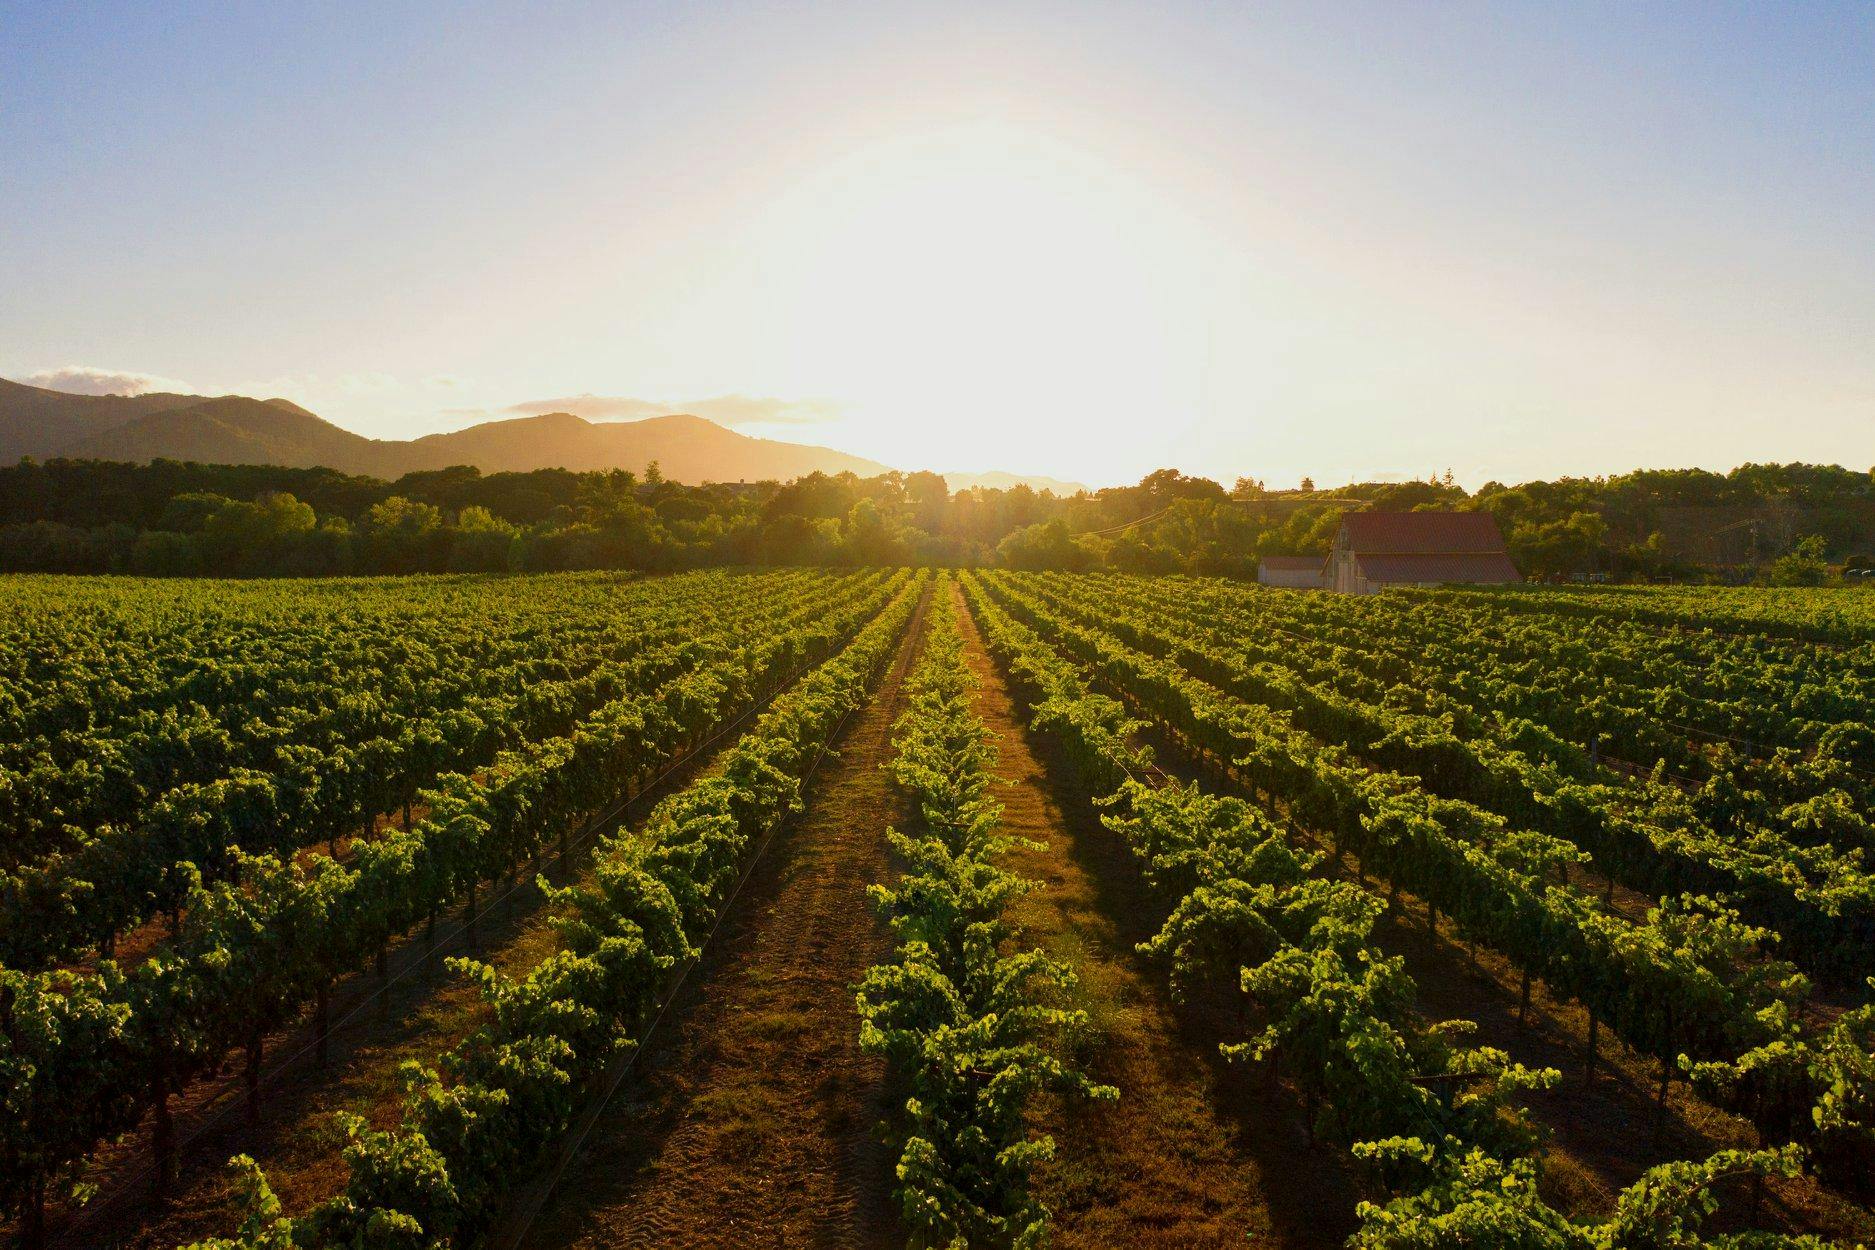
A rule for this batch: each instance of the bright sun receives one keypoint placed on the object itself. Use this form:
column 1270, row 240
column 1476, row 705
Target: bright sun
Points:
column 977, row 287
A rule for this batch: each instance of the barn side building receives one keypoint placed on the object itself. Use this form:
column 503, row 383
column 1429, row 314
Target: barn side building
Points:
column 1374, row 550
column 1295, row 572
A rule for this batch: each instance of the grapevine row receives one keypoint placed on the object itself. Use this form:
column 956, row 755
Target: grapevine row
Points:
column 1829, row 922
column 1437, row 1126
column 497, row 1100
column 1789, row 745
column 84, row 1053
column 1690, row 980
column 247, row 689
column 1806, row 616
column 962, row 1012
column 124, row 873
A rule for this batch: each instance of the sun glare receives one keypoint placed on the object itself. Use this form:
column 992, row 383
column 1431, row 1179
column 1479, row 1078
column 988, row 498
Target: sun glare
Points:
column 966, row 281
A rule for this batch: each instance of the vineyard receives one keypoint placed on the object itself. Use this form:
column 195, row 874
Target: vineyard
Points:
column 907, row 908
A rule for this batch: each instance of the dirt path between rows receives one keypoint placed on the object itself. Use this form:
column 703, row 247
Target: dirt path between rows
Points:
column 1189, row 1156
column 754, row 1121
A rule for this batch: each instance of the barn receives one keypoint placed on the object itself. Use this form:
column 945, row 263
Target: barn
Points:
column 1374, row 550
column 1296, row 572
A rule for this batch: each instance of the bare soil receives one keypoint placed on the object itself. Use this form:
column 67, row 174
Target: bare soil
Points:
column 752, row 1117
column 1191, row 1155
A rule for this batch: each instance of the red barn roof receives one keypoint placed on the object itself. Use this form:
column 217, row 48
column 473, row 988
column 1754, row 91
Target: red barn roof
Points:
column 1393, row 548
column 1422, row 533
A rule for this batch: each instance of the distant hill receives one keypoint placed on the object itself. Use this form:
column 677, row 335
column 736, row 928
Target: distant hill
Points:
column 233, row 429
column 1003, row 481
column 34, row 421
column 687, row 449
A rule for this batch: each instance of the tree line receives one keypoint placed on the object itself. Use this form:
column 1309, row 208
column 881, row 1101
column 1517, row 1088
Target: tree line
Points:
column 171, row 518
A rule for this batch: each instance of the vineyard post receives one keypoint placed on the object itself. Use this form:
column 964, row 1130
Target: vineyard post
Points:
column 255, row 1046
column 324, row 1010
column 33, row 1217
column 1588, row 1073
column 163, row 1137
column 1660, row 1096
column 1666, row 1071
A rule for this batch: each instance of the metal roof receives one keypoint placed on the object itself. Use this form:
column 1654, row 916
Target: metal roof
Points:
column 1422, row 533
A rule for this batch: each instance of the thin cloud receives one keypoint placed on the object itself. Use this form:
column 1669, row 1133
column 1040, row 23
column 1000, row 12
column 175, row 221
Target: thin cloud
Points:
column 722, row 409
column 752, row 410
column 87, row 380
column 594, row 407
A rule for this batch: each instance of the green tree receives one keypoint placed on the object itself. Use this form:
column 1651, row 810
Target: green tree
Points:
column 399, row 535
column 1802, row 565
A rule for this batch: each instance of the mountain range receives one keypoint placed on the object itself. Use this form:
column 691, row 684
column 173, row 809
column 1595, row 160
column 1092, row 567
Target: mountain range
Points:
column 234, row 429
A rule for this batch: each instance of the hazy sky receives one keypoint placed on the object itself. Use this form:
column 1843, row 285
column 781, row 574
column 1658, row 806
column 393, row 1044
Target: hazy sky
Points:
column 1080, row 239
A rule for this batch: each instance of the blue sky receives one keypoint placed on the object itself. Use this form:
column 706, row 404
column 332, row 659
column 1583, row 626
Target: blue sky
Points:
column 1088, row 240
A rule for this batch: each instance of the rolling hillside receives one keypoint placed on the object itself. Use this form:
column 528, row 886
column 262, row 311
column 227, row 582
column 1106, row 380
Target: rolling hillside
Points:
column 38, row 422
column 233, row 429
column 688, row 449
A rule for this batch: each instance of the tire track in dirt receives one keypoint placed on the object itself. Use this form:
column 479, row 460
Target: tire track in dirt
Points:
column 1189, row 1156
column 756, row 1122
